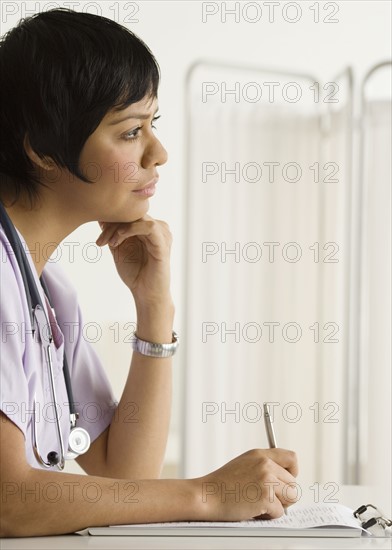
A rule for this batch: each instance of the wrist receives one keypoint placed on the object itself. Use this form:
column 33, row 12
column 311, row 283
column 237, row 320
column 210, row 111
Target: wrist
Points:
column 155, row 322
column 161, row 305
column 199, row 508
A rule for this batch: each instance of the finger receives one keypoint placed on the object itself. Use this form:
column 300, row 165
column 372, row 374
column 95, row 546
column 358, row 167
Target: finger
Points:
column 151, row 229
column 286, row 459
column 117, row 232
column 272, row 511
column 281, row 474
column 109, row 229
column 287, row 493
column 140, row 227
column 272, row 507
column 277, row 480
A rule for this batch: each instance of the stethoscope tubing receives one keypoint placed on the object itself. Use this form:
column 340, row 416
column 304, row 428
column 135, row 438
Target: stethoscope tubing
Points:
column 46, row 341
column 37, row 310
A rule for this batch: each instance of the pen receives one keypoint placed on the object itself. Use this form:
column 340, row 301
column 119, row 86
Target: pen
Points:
column 270, row 432
column 269, row 428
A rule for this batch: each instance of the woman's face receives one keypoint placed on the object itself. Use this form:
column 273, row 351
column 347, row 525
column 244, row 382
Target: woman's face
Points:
column 120, row 157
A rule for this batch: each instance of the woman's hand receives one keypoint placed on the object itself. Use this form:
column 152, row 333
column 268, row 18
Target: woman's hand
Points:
column 141, row 252
column 257, row 484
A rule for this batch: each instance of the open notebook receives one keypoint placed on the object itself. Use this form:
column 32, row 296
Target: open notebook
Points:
column 317, row 520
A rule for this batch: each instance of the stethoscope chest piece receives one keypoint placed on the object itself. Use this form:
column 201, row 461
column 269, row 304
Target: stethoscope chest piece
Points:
column 78, row 442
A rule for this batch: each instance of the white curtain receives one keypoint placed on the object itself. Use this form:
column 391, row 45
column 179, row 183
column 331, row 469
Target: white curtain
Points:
column 298, row 283
column 375, row 346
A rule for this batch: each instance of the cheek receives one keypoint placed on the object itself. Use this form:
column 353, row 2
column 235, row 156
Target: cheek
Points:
column 106, row 160
column 118, row 166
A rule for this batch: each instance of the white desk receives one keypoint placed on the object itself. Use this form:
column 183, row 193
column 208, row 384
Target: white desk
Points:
column 351, row 496
column 76, row 542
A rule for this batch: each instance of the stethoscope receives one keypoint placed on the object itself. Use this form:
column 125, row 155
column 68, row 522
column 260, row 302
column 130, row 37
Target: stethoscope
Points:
column 79, row 439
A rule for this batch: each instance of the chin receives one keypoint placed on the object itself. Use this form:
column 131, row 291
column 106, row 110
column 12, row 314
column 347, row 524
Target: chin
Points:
column 125, row 213
column 132, row 214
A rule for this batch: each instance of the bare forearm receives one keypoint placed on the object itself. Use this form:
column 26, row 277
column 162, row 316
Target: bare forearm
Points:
column 52, row 503
column 138, row 433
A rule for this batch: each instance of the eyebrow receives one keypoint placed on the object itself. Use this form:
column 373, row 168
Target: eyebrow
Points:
column 134, row 116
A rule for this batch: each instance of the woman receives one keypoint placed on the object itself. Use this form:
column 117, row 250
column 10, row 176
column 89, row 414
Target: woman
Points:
column 78, row 103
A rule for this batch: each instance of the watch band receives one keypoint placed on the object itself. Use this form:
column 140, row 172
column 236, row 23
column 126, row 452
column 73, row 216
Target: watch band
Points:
column 155, row 350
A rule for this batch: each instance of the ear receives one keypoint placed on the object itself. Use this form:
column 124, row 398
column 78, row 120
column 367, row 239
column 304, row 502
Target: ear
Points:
column 45, row 163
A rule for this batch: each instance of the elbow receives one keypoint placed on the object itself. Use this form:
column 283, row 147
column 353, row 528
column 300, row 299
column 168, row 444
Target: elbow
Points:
column 14, row 523
column 10, row 527
column 10, row 524
column 14, row 517
column 21, row 524
column 20, row 518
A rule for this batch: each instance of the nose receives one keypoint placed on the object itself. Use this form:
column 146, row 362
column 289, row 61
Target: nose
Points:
column 155, row 154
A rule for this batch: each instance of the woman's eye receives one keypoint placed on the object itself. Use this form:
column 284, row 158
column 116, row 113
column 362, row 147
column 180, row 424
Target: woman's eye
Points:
column 135, row 134
column 153, row 120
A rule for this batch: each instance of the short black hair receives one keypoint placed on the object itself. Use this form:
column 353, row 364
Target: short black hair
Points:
column 61, row 71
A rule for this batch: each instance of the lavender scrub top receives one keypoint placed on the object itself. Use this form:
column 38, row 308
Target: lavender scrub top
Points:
column 23, row 368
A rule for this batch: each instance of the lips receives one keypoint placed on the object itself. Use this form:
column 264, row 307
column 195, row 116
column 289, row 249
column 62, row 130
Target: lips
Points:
column 148, row 188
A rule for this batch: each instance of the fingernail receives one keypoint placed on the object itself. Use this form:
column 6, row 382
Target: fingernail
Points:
column 113, row 241
column 102, row 239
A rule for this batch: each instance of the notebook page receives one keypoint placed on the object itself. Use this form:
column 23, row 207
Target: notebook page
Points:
column 298, row 517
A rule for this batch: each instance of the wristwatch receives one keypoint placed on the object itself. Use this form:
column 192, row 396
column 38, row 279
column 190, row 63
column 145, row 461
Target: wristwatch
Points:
column 155, row 350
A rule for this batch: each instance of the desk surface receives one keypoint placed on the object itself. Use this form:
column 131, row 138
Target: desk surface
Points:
column 351, row 496
column 76, row 542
